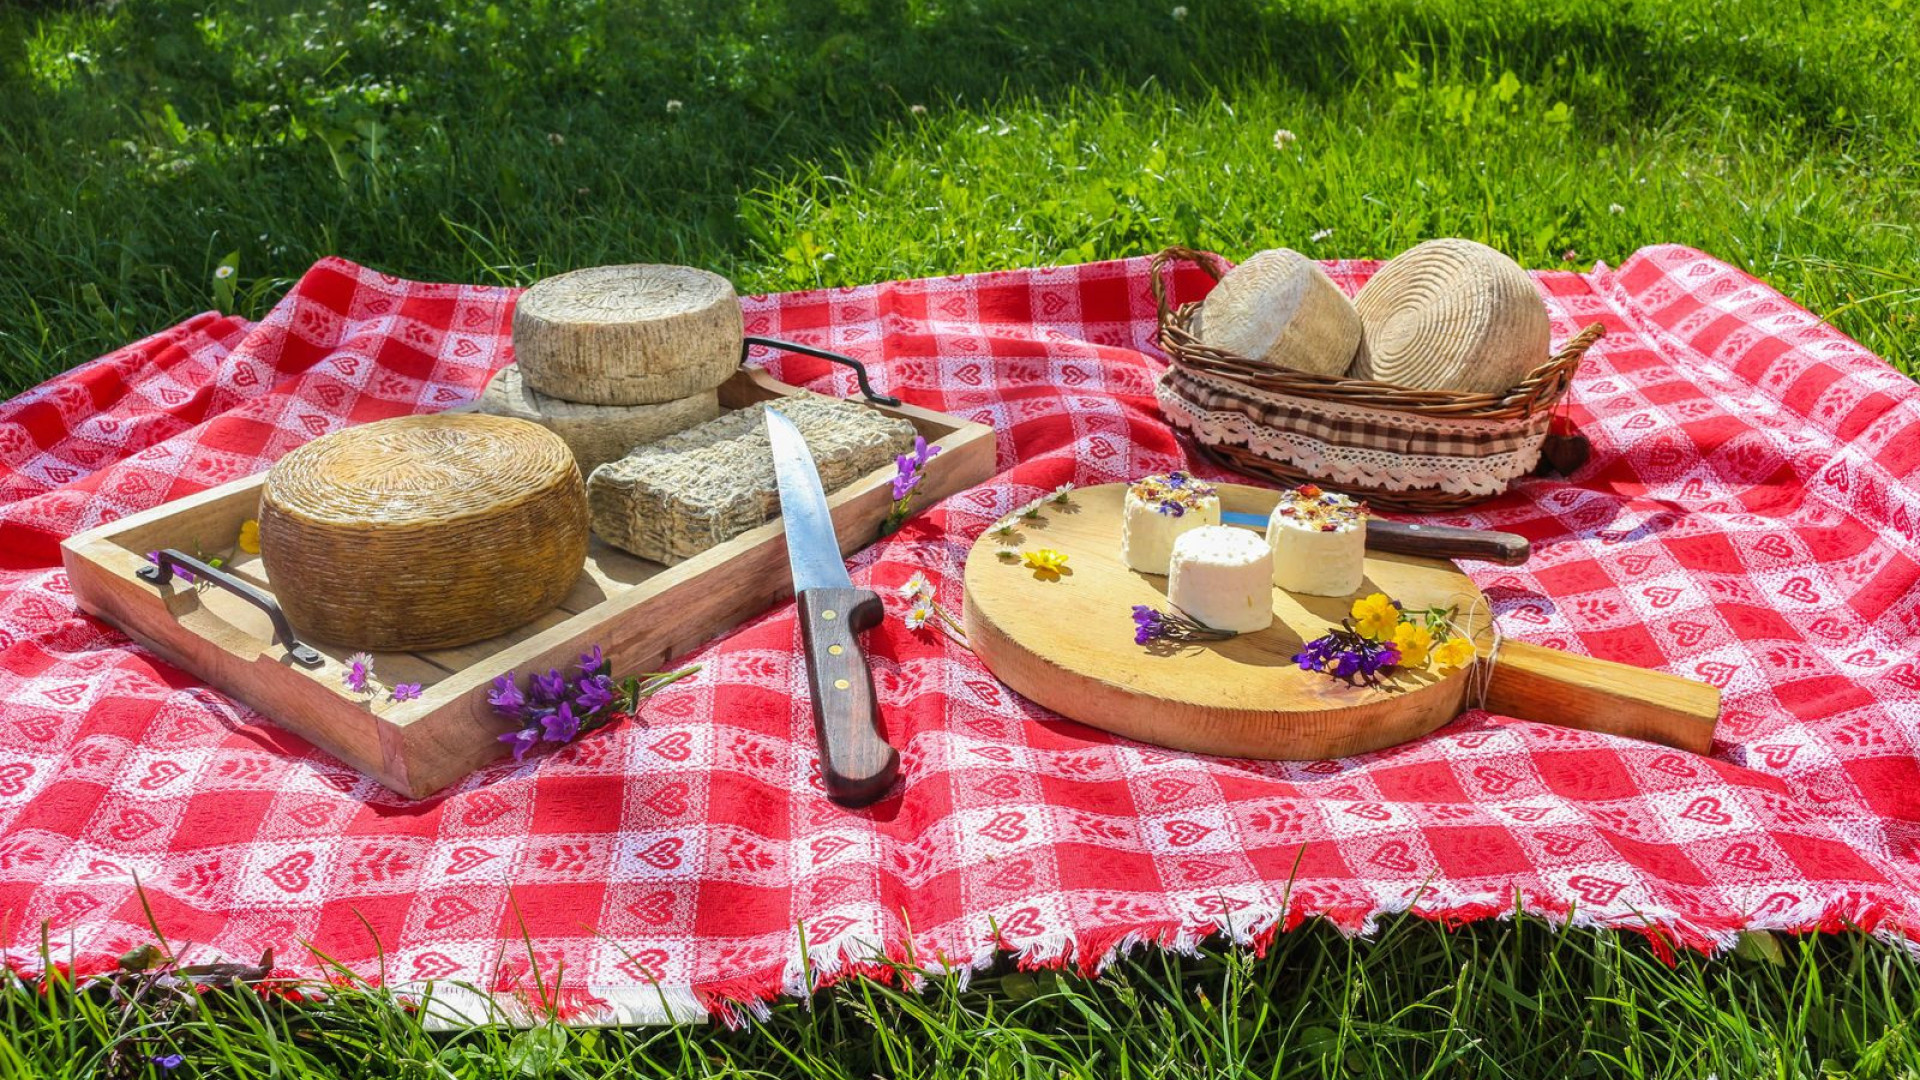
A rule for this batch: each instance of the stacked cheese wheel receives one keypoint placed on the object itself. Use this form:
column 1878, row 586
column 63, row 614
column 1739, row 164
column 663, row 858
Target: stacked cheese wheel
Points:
column 611, row 357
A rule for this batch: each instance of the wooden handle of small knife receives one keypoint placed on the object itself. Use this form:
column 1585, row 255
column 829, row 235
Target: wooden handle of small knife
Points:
column 855, row 761
column 1553, row 687
column 1447, row 542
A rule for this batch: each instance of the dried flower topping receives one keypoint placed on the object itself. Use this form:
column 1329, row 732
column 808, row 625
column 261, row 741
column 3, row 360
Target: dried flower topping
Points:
column 250, row 537
column 1174, row 493
column 1062, row 495
column 406, row 691
column 1310, row 509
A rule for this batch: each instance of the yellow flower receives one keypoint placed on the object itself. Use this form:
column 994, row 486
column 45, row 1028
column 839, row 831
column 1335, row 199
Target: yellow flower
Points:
column 1454, row 652
column 1413, row 641
column 1047, row 563
column 250, row 536
column 1375, row 616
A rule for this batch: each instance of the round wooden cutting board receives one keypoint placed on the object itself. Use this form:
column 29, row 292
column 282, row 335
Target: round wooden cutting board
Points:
column 1068, row 645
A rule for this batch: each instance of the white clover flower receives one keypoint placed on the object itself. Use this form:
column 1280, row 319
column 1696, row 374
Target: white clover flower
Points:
column 916, row 587
column 1323, row 234
column 554, row 138
column 1180, row 13
column 674, row 105
column 1616, row 208
column 1283, row 139
column 917, row 110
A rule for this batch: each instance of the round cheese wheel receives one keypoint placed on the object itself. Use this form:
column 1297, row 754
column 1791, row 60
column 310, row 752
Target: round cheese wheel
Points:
column 423, row 532
column 1281, row 308
column 596, row 434
column 1451, row 315
column 628, row 335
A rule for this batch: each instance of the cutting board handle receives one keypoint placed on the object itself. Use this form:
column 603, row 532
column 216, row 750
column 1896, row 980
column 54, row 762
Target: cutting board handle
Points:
column 1531, row 682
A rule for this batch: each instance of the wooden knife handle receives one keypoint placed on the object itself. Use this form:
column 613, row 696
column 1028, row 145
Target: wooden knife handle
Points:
column 855, row 760
column 1447, row 542
column 1553, row 687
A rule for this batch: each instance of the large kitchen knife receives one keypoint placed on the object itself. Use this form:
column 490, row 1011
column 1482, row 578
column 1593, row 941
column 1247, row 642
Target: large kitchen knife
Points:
column 855, row 761
column 1430, row 541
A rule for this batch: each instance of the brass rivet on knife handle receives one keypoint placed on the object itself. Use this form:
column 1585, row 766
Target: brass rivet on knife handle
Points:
column 856, row 763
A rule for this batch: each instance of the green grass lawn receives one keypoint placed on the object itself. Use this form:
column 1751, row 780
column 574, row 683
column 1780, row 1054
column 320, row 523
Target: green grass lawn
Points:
column 793, row 143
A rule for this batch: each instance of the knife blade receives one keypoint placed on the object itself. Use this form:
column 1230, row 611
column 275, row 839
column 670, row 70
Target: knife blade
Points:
column 1431, row 541
column 856, row 763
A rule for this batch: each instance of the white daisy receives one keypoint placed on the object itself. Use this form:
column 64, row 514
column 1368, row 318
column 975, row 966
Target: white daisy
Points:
column 1061, row 494
column 916, row 587
column 919, row 614
column 223, row 273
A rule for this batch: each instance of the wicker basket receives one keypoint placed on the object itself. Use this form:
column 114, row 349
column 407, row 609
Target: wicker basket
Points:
column 1418, row 451
column 423, row 532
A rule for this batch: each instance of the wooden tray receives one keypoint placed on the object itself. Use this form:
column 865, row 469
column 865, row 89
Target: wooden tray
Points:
column 1068, row 644
column 642, row 613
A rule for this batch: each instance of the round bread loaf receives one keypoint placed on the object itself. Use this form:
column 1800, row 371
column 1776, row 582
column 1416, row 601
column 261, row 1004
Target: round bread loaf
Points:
column 423, row 532
column 596, row 434
column 628, row 335
column 1281, row 308
column 1451, row 315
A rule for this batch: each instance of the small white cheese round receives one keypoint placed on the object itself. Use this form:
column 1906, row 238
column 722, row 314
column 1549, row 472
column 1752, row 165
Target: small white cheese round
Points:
column 1319, row 543
column 1222, row 577
column 1158, row 509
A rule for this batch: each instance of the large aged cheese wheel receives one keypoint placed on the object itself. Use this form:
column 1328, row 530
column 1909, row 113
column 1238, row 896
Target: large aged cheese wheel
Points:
column 627, row 335
column 1451, row 315
column 670, row 500
column 423, row 532
column 596, row 434
column 1280, row 307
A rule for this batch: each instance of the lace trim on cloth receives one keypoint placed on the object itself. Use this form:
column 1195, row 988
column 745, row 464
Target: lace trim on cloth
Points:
column 1382, row 470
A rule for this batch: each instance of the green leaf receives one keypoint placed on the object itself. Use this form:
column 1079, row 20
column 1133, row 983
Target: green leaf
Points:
column 1760, row 945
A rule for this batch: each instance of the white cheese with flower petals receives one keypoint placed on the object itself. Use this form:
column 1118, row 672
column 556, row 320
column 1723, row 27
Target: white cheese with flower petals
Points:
column 1222, row 577
column 1319, row 542
column 1158, row 510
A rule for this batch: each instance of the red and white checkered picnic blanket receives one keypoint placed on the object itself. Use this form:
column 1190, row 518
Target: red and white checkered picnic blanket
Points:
column 1748, row 519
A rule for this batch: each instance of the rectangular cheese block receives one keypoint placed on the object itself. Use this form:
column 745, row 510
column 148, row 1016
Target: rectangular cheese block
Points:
column 673, row 499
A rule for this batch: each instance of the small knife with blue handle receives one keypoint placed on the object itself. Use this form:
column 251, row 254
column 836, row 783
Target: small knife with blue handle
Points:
column 1429, row 541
